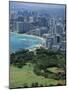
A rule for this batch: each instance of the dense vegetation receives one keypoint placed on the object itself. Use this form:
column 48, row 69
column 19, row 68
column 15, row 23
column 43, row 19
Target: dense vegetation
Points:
column 46, row 63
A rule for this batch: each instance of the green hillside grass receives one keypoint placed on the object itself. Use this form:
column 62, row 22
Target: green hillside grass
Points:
column 25, row 76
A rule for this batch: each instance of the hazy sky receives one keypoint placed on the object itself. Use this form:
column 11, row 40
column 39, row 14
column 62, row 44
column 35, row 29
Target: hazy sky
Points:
column 34, row 5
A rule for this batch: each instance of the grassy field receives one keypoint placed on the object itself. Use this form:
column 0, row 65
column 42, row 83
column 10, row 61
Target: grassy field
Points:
column 55, row 70
column 25, row 76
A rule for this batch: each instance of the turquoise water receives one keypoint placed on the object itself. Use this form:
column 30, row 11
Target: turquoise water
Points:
column 22, row 41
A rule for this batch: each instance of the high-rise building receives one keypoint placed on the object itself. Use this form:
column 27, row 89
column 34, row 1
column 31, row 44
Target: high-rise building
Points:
column 56, row 39
column 31, row 19
column 52, row 26
column 35, row 32
column 59, row 28
column 23, row 27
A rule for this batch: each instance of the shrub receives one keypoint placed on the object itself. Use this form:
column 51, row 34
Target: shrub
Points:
column 41, row 85
column 35, row 84
column 19, row 65
column 32, row 84
column 25, row 86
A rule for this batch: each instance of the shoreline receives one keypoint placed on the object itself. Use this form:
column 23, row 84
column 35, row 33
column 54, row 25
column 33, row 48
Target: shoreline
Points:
column 36, row 46
column 29, row 35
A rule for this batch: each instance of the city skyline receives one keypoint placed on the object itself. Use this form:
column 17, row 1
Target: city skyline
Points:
column 49, row 8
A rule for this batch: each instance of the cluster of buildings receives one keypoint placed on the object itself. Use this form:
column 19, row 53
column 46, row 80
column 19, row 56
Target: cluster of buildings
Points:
column 51, row 29
column 56, row 37
column 27, row 21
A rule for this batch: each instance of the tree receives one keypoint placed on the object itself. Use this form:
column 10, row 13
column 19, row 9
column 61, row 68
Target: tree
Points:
column 12, row 58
